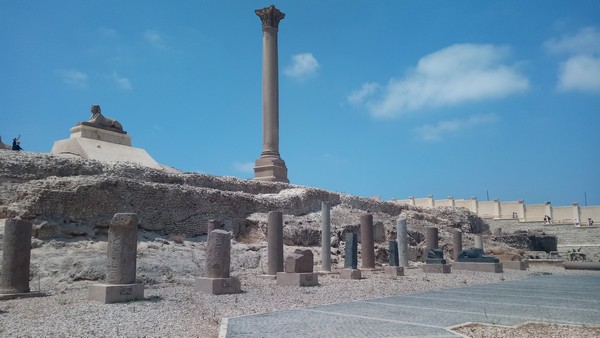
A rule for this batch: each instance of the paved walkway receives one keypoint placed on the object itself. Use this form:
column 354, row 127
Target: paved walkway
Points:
column 571, row 299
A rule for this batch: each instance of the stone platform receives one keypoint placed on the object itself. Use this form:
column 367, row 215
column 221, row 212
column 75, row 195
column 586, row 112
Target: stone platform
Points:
column 394, row 271
column 115, row 293
column 437, row 268
column 350, row 274
column 218, row 286
column 103, row 145
column 515, row 265
column 483, row 267
column 297, row 278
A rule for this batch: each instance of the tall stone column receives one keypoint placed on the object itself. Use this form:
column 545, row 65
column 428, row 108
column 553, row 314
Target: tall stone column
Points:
column 366, row 242
column 275, row 242
column 402, row 237
column 16, row 253
column 326, row 237
column 269, row 166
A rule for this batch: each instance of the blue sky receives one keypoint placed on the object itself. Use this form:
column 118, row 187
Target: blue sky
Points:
column 388, row 98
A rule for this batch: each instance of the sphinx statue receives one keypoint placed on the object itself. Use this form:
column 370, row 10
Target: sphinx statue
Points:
column 475, row 255
column 435, row 256
column 101, row 121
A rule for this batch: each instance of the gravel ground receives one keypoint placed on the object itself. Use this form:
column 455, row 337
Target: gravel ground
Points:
column 175, row 310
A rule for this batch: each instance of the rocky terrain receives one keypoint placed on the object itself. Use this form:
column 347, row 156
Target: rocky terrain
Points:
column 70, row 201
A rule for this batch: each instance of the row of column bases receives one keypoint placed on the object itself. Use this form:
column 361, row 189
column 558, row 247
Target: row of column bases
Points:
column 297, row 269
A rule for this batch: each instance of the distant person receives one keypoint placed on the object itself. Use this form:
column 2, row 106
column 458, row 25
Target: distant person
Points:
column 590, row 221
column 546, row 219
column 16, row 145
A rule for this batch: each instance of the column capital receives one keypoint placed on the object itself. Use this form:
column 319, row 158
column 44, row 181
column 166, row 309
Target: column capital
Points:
column 270, row 16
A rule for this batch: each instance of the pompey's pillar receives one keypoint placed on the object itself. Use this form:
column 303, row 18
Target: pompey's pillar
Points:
column 270, row 166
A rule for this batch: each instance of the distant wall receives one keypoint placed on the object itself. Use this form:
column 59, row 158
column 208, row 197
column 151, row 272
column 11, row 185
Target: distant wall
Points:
column 573, row 214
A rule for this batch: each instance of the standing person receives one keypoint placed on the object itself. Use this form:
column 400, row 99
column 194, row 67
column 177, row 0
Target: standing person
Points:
column 16, row 145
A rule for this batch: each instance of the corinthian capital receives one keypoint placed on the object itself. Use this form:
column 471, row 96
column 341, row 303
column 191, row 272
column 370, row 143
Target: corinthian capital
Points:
column 270, row 16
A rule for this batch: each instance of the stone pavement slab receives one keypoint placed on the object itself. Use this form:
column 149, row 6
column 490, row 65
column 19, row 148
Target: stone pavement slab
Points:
column 573, row 299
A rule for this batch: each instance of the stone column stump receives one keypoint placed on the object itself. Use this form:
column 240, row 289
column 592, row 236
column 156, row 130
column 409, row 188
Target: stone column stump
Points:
column 366, row 242
column 275, row 242
column 298, row 270
column 217, row 280
column 350, row 270
column 120, row 283
column 456, row 244
column 16, row 254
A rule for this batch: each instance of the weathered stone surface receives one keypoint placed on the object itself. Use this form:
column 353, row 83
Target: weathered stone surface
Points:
column 437, row 268
column 393, row 248
column 300, row 261
column 378, row 232
column 475, row 255
column 218, row 286
column 16, row 254
column 351, row 252
column 275, row 242
column 367, row 247
column 477, row 266
column 530, row 241
column 218, row 255
column 348, row 273
column 297, row 279
column 122, row 249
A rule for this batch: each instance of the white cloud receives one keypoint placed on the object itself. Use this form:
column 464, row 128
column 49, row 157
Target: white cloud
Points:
column 74, row 78
column 586, row 41
column 122, row 83
column 438, row 131
column 360, row 95
column 457, row 74
column 244, row 167
column 580, row 73
column 303, row 65
column 581, row 70
column 155, row 38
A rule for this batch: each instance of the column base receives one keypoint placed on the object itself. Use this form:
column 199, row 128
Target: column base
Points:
column 115, row 293
column 297, row 279
column 483, row 267
column 350, row 274
column 270, row 168
column 394, row 271
column 515, row 265
column 437, row 268
column 218, row 286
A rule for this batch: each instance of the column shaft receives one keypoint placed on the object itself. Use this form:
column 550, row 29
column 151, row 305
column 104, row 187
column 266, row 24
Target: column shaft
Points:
column 326, row 237
column 402, row 236
column 275, row 242
column 16, row 254
column 366, row 239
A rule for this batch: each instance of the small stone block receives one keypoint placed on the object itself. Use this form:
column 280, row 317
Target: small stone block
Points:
column 437, row 268
column 394, row 270
column 115, row 293
column 218, row 286
column 515, row 265
column 483, row 267
column 297, row 279
column 350, row 274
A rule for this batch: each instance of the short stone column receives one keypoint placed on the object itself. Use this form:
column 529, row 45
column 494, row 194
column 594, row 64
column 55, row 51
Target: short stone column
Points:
column 430, row 201
column 431, row 238
column 497, row 209
column 521, row 211
column 121, row 263
column 216, row 278
column 298, row 270
column 478, row 241
column 16, row 254
column 275, row 242
column 350, row 270
column 411, row 200
column 366, row 242
column 456, row 243
column 402, row 237
column 451, row 202
column 548, row 207
column 325, row 237
column 393, row 268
